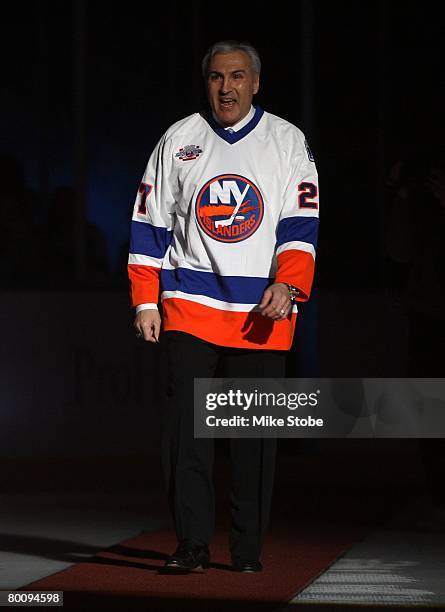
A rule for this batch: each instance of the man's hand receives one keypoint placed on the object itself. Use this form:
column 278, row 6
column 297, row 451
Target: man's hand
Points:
column 276, row 302
column 436, row 184
column 147, row 324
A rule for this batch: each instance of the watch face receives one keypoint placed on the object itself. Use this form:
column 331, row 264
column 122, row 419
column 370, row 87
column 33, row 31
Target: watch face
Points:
column 293, row 292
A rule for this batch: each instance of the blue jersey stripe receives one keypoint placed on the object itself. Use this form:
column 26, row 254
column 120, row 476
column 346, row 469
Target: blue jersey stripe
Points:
column 147, row 239
column 236, row 289
column 304, row 229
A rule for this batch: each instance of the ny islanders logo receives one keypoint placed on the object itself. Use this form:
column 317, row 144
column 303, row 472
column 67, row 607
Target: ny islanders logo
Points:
column 229, row 208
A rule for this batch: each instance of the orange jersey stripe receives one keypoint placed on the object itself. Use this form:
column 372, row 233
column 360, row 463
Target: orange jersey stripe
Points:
column 296, row 268
column 248, row 330
column 144, row 284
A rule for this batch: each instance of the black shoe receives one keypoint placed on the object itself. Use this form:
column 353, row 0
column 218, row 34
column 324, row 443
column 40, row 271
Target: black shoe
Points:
column 188, row 557
column 242, row 565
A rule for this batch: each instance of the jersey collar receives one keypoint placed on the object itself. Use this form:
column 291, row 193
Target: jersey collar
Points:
column 233, row 137
column 241, row 123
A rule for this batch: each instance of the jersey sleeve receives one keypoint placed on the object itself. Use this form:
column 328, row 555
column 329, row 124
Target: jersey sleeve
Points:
column 297, row 229
column 151, row 226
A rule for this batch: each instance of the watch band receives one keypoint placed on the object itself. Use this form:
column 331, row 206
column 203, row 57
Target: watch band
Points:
column 293, row 292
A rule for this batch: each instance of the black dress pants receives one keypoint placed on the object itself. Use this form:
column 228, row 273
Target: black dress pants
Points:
column 188, row 461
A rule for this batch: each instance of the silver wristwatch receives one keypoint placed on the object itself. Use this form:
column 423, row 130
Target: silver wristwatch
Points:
column 293, row 292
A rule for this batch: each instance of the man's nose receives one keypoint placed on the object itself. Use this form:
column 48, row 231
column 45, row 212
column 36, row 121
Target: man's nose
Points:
column 225, row 85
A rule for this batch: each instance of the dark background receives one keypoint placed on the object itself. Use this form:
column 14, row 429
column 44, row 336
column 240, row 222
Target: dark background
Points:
column 360, row 79
column 89, row 88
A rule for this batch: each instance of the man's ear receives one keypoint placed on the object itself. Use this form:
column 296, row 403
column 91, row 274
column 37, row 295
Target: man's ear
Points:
column 256, row 85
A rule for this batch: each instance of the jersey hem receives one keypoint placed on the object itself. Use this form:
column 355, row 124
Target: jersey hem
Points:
column 248, row 330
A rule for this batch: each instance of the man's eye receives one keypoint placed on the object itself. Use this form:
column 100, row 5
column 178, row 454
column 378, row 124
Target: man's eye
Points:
column 238, row 75
column 215, row 77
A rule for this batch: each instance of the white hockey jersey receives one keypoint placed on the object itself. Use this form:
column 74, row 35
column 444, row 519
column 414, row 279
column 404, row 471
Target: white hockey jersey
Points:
column 219, row 217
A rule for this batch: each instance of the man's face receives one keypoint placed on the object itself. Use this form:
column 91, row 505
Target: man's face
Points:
column 231, row 84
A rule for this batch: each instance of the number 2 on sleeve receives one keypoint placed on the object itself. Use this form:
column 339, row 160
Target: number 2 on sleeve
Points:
column 305, row 192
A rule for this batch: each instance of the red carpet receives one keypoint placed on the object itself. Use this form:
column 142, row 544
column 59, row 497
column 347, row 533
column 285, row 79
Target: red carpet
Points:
column 125, row 577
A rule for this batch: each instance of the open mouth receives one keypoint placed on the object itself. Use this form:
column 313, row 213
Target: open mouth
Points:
column 227, row 103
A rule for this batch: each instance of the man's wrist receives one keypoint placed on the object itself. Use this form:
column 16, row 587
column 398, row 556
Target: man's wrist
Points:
column 294, row 292
column 148, row 306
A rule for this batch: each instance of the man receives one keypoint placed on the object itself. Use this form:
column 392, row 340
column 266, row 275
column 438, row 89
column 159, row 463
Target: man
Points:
column 225, row 220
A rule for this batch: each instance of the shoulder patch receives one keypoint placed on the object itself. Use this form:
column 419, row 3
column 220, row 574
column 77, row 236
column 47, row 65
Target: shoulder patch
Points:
column 189, row 152
column 309, row 152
